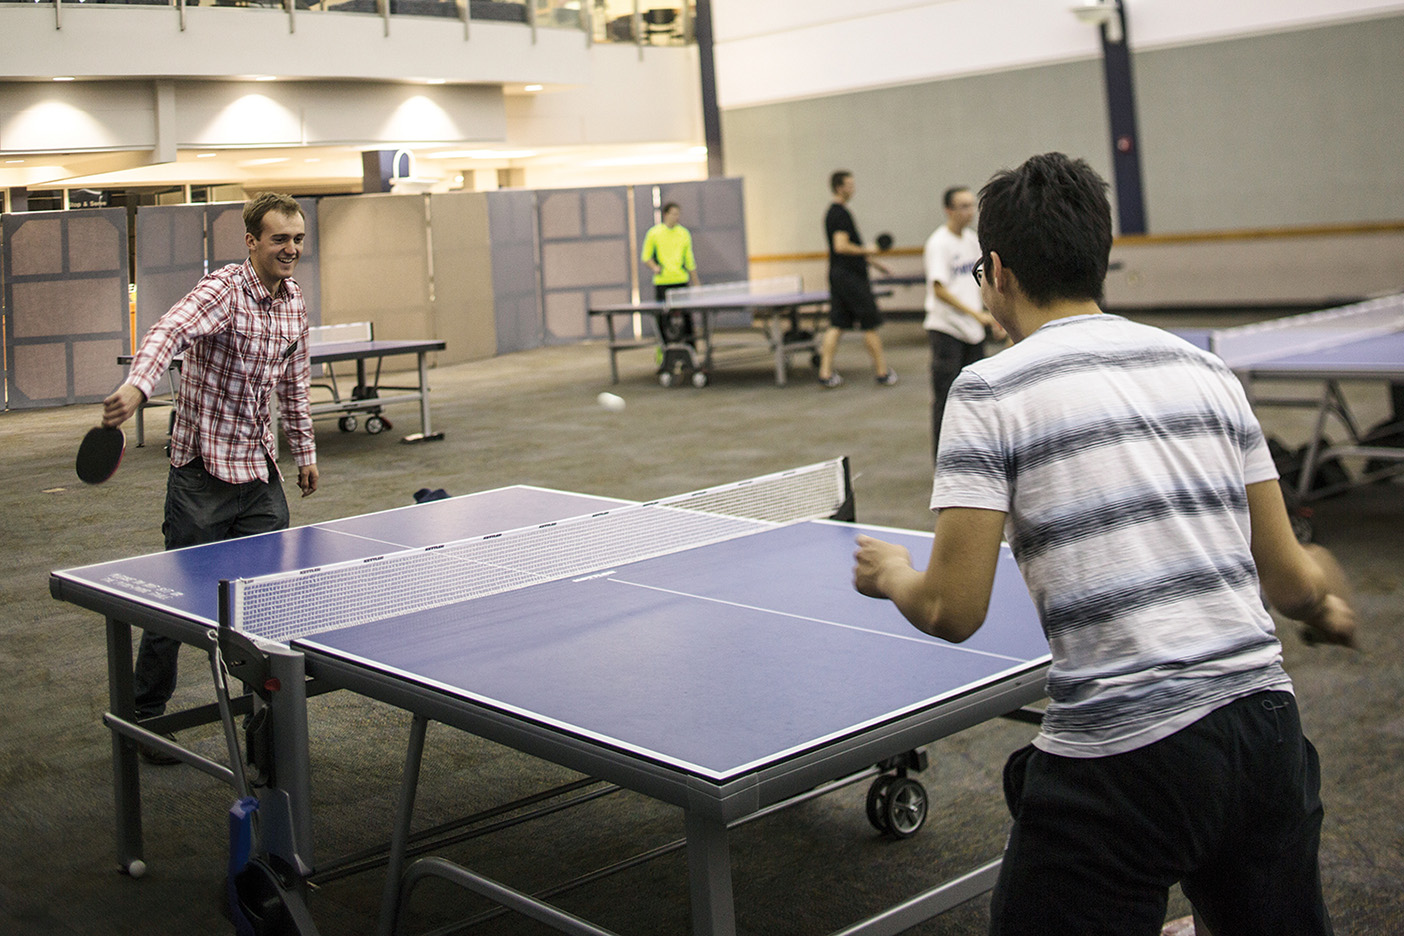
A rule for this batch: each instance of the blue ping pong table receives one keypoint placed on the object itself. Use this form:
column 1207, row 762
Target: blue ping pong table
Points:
column 779, row 305
column 1359, row 342
column 367, row 396
column 727, row 679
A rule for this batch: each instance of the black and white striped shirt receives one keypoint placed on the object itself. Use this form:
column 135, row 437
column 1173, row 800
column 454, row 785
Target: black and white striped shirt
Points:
column 1121, row 454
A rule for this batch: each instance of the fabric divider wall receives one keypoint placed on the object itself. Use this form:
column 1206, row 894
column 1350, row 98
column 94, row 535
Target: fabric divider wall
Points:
column 66, row 305
column 376, row 266
column 585, row 257
column 516, row 281
column 463, row 277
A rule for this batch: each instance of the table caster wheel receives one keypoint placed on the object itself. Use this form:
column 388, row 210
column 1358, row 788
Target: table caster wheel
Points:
column 699, row 379
column 665, row 378
column 877, row 803
column 347, row 424
column 905, row 807
column 375, row 425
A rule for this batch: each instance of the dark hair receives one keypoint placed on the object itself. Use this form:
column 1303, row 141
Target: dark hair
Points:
column 261, row 204
column 951, row 194
column 837, row 178
column 1050, row 222
column 668, row 206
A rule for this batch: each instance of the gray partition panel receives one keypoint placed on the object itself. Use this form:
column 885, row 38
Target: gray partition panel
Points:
column 585, row 254
column 714, row 212
column 170, row 258
column 516, row 281
column 66, row 305
column 309, row 268
column 225, row 243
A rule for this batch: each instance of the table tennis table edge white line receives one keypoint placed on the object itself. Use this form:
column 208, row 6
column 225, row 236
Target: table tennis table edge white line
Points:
column 457, row 692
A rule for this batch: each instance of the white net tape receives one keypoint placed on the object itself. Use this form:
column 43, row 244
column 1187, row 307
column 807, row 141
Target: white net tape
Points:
column 735, row 292
column 289, row 605
column 1302, row 334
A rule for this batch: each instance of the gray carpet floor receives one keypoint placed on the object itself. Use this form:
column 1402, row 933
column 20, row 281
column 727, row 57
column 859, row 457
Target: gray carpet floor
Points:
column 531, row 418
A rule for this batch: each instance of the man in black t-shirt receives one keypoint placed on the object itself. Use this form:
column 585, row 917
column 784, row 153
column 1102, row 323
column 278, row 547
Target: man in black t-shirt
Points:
column 850, row 294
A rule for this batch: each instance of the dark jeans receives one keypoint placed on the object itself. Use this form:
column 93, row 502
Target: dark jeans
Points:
column 948, row 355
column 1229, row 807
column 673, row 327
column 200, row 508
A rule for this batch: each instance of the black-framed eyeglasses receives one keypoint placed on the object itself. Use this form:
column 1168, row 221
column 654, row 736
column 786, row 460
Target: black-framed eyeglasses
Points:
column 978, row 271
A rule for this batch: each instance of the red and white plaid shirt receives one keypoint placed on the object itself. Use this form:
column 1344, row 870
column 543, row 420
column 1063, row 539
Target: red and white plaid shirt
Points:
column 240, row 346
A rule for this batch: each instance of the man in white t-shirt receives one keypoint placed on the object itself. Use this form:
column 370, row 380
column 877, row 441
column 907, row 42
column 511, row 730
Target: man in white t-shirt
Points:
column 955, row 320
column 1134, row 486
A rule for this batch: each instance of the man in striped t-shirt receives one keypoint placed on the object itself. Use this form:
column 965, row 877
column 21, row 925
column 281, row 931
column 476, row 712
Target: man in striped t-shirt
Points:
column 1135, row 489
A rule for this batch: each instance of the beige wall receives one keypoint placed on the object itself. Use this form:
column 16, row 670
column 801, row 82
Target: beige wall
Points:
column 417, row 266
column 463, row 299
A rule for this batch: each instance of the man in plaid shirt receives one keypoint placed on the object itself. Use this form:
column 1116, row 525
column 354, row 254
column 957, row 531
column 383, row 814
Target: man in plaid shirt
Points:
column 243, row 332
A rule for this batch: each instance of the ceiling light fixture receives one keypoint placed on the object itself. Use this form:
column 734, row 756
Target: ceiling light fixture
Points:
column 533, row 87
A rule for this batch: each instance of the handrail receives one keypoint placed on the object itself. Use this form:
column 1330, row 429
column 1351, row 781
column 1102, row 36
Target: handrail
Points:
column 1185, row 237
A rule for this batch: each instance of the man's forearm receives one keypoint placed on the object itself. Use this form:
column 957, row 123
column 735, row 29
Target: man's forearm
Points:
column 946, row 296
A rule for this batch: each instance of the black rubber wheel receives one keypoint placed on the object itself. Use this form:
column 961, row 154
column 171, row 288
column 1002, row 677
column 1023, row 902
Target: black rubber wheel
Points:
column 905, row 807
column 347, row 424
column 877, row 803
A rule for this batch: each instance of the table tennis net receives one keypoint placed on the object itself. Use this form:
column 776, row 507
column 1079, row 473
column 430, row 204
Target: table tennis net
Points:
column 742, row 289
column 286, row 606
column 1303, row 334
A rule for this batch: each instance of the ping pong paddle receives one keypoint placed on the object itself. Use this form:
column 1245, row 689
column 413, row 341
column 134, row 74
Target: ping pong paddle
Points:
column 100, row 453
column 884, row 241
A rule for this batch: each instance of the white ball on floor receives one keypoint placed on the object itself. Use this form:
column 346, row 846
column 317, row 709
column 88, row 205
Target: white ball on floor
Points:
column 611, row 402
column 137, row 868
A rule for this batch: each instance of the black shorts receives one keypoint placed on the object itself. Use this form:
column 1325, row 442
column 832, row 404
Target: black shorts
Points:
column 1227, row 807
column 851, row 301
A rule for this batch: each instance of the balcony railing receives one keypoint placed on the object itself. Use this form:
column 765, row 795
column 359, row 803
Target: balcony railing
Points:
column 638, row 22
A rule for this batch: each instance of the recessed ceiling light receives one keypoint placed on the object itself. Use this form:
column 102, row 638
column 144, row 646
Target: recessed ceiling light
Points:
column 11, row 162
column 532, row 87
column 266, row 78
column 435, row 80
column 205, row 155
column 64, row 78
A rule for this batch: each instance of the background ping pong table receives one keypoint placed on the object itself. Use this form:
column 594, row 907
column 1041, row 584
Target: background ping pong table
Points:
column 331, row 344
column 777, row 304
column 723, row 679
column 1361, row 341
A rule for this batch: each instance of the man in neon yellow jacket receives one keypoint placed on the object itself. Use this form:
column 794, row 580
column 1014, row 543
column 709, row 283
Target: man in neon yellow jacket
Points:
column 667, row 251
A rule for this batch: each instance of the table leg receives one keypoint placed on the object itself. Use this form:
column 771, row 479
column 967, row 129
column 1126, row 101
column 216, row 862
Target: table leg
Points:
column 126, row 778
column 777, row 339
column 1332, row 401
column 424, row 425
column 292, row 763
column 709, row 874
column 399, row 839
column 613, row 351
